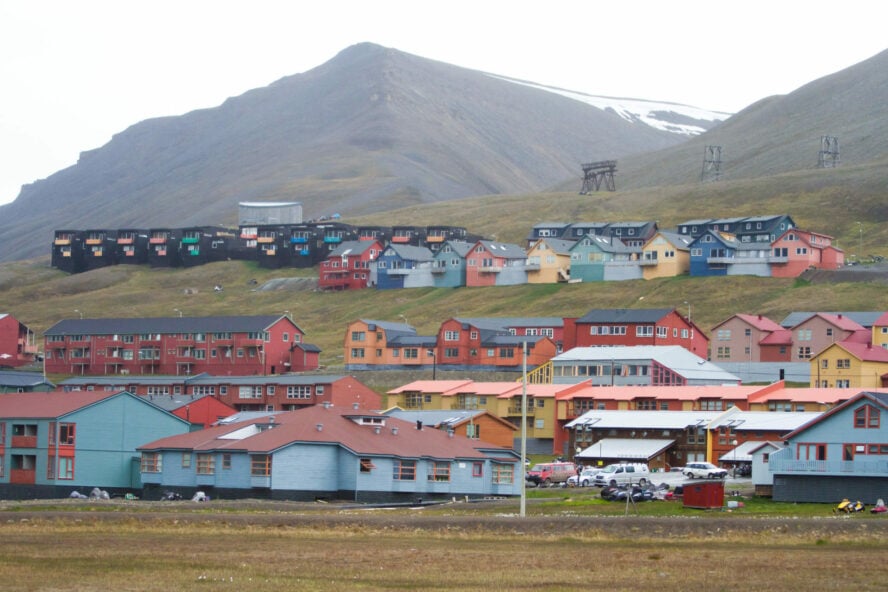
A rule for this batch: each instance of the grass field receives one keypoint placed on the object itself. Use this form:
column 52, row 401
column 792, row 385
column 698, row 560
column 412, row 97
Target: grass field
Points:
column 568, row 541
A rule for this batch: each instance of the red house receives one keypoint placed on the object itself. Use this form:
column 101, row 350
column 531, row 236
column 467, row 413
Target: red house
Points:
column 239, row 345
column 348, row 266
column 201, row 410
column 17, row 345
column 659, row 326
column 797, row 250
column 496, row 343
column 489, row 263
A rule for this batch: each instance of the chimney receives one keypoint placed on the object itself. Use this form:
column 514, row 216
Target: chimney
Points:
column 419, row 425
column 395, row 431
column 320, row 427
column 271, row 420
column 355, row 405
column 327, row 404
column 377, row 429
column 450, row 433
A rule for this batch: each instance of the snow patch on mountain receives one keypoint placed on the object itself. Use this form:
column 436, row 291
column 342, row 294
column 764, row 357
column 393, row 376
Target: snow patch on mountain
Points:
column 670, row 117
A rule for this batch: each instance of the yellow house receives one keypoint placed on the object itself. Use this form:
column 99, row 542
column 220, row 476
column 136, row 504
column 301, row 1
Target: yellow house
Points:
column 424, row 395
column 850, row 365
column 548, row 261
column 880, row 332
column 666, row 254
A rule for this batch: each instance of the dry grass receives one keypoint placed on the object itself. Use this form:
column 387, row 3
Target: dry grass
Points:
column 401, row 551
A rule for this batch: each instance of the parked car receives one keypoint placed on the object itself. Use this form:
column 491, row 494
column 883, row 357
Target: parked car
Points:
column 550, row 473
column 704, row 470
column 586, row 478
column 622, row 474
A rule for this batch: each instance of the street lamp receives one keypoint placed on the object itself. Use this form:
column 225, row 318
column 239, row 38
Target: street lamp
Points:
column 689, row 320
column 78, row 312
column 734, row 444
column 860, row 245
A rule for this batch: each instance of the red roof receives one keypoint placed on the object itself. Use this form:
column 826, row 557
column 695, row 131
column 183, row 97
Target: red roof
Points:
column 48, row 405
column 864, row 351
column 332, row 425
column 429, row 386
column 840, row 321
column 778, row 337
column 759, row 322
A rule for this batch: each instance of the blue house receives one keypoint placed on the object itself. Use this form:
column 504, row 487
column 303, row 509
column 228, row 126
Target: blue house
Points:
column 328, row 452
column 404, row 266
column 600, row 258
column 54, row 443
column 720, row 254
column 449, row 265
column 843, row 453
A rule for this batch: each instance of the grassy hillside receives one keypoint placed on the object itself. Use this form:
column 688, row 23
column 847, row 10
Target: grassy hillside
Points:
column 39, row 297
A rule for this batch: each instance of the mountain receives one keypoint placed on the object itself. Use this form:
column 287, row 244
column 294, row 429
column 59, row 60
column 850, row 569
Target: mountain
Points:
column 371, row 130
column 782, row 135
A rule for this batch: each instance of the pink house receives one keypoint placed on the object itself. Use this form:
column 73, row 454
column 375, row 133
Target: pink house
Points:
column 796, row 250
column 821, row 330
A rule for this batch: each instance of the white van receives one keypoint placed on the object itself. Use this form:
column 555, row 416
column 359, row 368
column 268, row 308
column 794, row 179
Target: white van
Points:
column 623, row 474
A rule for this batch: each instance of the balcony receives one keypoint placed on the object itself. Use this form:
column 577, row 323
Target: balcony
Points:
column 721, row 260
column 298, row 240
column 400, row 271
column 435, row 239
column 62, row 241
column 125, row 240
column 24, row 441
column 531, row 266
column 332, row 239
column 439, row 269
column 516, row 410
column 490, row 269
column 94, row 241
column 401, row 239
column 775, row 259
column 157, row 240
column 828, row 467
column 648, row 262
column 22, row 476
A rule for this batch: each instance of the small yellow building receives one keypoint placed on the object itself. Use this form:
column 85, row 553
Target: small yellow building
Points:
column 666, row 254
column 548, row 261
column 850, row 365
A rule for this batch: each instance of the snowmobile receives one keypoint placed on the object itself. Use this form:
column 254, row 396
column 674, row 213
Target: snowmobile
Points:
column 848, row 507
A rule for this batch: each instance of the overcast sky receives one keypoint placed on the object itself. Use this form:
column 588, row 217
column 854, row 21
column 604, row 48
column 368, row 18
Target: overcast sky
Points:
column 72, row 73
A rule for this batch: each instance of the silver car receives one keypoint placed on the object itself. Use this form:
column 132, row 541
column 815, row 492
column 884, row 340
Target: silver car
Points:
column 704, row 470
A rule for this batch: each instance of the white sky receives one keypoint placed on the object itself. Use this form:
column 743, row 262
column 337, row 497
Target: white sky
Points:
column 74, row 72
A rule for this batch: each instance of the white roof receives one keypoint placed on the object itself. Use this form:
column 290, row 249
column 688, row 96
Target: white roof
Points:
column 674, row 357
column 742, row 453
column 651, row 420
column 628, row 448
column 766, row 420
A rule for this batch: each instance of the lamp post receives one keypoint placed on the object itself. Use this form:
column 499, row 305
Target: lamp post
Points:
column 690, row 323
column 434, row 363
column 860, row 244
column 80, row 313
column 734, row 444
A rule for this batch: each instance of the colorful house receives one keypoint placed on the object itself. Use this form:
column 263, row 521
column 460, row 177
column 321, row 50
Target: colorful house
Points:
column 851, row 365
column 449, row 265
column 493, row 343
column 201, row 411
column 720, row 254
column 842, row 453
column 329, row 452
column 631, row 234
column 491, row 263
column 348, row 267
column 879, row 331
column 796, row 251
column 750, row 338
column 67, row 251
column 17, row 342
column 131, row 246
column 548, row 261
column 54, row 443
column 163, row 247
column 404, row 266
column 629, row 326
column 239, row 345
column 821, row 330
column 382, row 345
column 602, row 258
column 547, row 230
column 665, row 254
column 99, row 248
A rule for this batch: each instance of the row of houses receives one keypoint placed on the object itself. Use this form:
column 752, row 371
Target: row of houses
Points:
column 270, row 245
column 52, row 444
column 497, row 343
column 588, row 252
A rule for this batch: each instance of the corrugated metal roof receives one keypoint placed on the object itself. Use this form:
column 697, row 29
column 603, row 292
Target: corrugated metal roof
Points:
column 674, row 357
column 626, row 448
column 14, row 378
column 651, row 420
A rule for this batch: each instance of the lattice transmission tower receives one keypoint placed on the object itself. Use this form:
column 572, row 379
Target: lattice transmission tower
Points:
column 828, row 157
column 596, row 173
column 712, row 161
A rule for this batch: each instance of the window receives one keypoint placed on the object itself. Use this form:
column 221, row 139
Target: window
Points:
column 206, row 464
column 66, row 467
column 866, row 417
column 299, row 392
column 804, row 334
column 226, row 461
column 811, row 451
column 358, row 336
column 804, row 353
column 367, row 465
column 723, row 353
column 260, row 465
column 451, row 335
column 451, row 352
column 662, row 332
column 249, row 392
column 503, row 474
column 439, row 471
column 644, row 331
column 186, row 460
column 151, row 462
column 477, row 469
column 357, row 352
column 507, row 352
column 404, row 470
column 723, row 335
column 844, row 363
